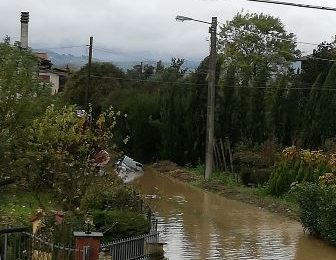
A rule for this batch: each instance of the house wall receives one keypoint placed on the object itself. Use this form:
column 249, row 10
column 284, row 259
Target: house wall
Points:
column 53, row 79
column 297, row 66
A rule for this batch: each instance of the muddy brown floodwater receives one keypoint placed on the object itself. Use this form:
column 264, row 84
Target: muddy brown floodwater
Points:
column 197, row 224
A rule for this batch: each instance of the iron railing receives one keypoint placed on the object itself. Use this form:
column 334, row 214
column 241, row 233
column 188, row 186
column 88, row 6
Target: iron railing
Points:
column 17, row 244
column 138, row 247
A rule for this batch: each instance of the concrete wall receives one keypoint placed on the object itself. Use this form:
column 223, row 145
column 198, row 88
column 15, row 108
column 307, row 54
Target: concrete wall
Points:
column 53, row 79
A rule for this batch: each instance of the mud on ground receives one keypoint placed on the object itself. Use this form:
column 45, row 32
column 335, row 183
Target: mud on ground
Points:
column 269, row 203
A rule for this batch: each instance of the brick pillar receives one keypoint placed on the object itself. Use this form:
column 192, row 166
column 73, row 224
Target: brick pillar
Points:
column 87, row 245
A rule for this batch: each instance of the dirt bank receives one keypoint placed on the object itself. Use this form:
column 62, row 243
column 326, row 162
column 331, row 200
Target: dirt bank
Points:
column 243, row 194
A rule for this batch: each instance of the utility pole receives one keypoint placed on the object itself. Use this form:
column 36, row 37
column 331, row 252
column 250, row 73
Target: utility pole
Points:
column 88, row 87
column 211, row 100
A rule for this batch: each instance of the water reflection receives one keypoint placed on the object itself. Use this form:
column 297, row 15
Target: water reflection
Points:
column 200, row 225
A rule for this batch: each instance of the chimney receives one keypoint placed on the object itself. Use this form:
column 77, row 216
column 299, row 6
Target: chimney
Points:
column 24, row 29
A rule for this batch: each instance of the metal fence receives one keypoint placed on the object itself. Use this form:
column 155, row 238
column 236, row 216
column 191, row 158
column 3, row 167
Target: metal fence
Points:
column 139, row 247
column 17, row 244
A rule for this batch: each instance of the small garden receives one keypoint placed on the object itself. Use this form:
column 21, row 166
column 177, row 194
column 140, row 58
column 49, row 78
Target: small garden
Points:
column 309, row 176
column 50, row 174
column 57, row 181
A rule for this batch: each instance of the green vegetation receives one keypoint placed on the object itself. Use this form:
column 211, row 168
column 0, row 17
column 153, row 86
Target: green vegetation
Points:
column 225, row 184
column 47, row 166
column 120, row 224
column 259, row 97
column 17, row 204
column 317, row 203
column 309, row 177
column 298, row 166
column 262, row 105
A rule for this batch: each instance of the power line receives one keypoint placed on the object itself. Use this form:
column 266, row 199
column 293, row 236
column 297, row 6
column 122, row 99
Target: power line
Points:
column 265, row 47
column 293, row 54
column 324, row 86
column 143, row 59
column 294, row 4
column 104, row 50
column 269, row 48
column 62, row 47
column 276, row 37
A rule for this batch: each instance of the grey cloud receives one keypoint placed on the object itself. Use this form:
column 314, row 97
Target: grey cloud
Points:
column 147, row 28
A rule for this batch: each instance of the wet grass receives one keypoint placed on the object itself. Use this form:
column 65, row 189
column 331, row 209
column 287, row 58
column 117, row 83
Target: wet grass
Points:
column 225, row 184
column 17, row 205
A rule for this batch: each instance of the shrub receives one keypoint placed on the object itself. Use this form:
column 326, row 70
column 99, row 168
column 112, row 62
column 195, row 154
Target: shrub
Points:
column 223, row 178
column 255, row 176
column 261, row 156
column 298, row 166
column 119, row 224
column 327, row 213
column 253, row 163
column 317, row 203
column 61, row 233
column 109, row 194
column 246, row 156
column 309, row 199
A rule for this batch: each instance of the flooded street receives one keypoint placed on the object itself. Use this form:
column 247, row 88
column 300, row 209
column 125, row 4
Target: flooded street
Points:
column 197, row 224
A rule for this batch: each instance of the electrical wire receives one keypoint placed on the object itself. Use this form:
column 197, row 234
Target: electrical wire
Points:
column 273, row 36
column 295, row 4
column 61, row 47
column 323, row 86
column 264, row 47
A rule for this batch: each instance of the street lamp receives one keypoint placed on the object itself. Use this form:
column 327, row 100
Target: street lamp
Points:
column 181, row 18
column 211, row 92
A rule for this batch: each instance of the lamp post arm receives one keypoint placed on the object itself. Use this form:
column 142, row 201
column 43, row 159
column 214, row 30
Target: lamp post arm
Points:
column 200, row 21
column 181, row 18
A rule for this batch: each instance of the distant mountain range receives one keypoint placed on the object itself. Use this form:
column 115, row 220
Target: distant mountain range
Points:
column 62, row 60
column 76, row 62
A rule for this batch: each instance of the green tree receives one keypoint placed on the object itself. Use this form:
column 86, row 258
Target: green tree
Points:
column 319, row 123
column 255, row 43
column 22, row 98
column 319, row 62
column 107, row 81
column 142, row 125
column 256, row 50
column 59, row 150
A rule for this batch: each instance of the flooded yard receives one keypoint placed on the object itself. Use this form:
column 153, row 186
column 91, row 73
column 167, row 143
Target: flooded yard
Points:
column 197, row 224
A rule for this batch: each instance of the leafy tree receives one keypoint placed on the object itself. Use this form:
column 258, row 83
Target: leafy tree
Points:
column 107, row 79
column 59, row 150
column 256, row 50
column 142, row 124
column 22, row 98
column 319, row 117
column 255, row 43
column 318, row 62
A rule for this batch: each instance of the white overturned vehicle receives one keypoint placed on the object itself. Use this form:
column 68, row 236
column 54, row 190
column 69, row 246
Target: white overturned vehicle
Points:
column 128, row 169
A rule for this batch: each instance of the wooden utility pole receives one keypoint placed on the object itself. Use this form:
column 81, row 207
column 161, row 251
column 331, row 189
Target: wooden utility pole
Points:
column 88, row 87
column 211, row 100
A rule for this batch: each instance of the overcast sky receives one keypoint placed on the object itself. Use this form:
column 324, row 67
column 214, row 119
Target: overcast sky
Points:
column 146, row 29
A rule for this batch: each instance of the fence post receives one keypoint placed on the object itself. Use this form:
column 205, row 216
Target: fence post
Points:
column 5, row 247
column 86, row 253
column 87, row 245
